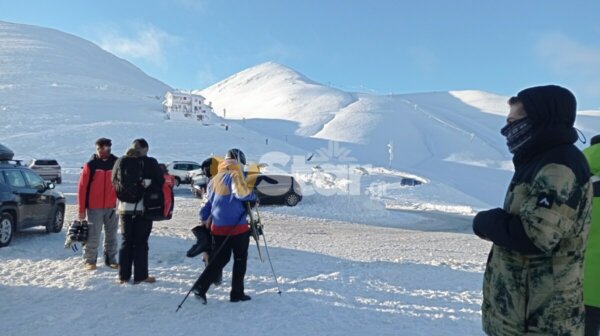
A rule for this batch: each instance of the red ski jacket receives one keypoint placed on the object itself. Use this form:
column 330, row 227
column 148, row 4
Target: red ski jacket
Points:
column 95, row 190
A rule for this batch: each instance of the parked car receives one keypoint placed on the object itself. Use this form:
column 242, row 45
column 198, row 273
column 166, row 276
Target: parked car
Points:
column 48, row 169
column 180, row 170
column 270, row 189
column 277, row 189
column 26, row 200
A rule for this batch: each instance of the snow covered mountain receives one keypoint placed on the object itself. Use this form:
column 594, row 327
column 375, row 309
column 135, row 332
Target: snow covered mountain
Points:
column 58, row 93
column 421, row 126
column 452, row 137
column 40, row 57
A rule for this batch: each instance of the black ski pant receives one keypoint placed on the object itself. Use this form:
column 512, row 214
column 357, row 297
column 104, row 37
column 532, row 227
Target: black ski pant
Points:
column 592, row 321
column 224, row 247
column 135, row 231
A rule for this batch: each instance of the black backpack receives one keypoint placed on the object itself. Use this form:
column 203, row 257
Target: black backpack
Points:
column 129, row 185
column 154, row 203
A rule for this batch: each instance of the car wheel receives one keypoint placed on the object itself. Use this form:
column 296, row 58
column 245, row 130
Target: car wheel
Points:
column 7, row 228
column 292, row 199
column 56, row 223
column 177, row 181
column 59, row 180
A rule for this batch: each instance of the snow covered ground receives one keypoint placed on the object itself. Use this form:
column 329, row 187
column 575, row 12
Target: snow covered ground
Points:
column 337, row 278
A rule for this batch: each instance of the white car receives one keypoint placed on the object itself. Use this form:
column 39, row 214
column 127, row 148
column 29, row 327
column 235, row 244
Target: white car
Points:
column 48, row 169
column 181, row 169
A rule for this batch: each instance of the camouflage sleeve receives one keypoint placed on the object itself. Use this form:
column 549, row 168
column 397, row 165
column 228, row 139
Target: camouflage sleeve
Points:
column 549, row 212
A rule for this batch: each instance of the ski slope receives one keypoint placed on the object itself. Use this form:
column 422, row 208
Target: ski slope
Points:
column 59, row 93
column 451, row 138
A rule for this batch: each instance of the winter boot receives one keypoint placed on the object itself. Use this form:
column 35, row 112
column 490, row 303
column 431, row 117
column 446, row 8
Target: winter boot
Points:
column 237, row 297
column 111, row 264
column 202, row 241
column 200, row 294
column 89, row 266
column 219, row 279
column 149, row 279
column 195, row 250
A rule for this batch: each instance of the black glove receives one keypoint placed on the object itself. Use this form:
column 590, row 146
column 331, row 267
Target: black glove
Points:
column 503, row 229
column 484, row 222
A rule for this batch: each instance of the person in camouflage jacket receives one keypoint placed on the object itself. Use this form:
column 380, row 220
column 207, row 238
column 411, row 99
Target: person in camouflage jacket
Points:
column 534, row 273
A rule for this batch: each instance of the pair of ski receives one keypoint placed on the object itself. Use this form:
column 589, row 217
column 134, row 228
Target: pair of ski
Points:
column 256, row 228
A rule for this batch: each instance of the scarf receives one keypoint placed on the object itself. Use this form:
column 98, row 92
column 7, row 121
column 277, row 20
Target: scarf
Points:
column 517, row 134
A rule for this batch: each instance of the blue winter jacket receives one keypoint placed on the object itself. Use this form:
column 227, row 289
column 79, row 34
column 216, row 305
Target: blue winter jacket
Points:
column 227, row 192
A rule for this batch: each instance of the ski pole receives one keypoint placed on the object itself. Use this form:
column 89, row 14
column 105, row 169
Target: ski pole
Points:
column 268, row 255
column 270, row 263
column 198, row 280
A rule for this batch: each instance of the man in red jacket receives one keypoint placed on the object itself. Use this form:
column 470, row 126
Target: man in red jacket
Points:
column 97, row 199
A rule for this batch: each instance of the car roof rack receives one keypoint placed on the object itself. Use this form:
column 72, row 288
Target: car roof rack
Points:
column 11, row 162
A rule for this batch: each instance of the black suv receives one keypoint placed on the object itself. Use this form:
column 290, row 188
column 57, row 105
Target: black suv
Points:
column 27, row 201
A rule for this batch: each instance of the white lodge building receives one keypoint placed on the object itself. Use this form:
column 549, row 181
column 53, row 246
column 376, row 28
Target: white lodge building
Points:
column 186, row 104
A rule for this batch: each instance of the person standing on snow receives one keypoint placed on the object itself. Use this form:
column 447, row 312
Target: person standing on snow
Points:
column 134, row 172
column 591, row 270
column 534, row 273
column 227, row 194
column 167, row 189
column 96, row 200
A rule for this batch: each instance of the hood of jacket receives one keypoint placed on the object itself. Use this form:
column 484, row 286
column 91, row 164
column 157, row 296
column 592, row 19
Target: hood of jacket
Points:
column 552, row 110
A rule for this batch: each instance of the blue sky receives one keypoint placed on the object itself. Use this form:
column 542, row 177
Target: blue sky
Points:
column 369, row 46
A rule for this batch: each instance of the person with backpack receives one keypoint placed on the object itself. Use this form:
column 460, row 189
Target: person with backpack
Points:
column 227, row 194
column 96, row 200
column 591, row 269
column 133, row 174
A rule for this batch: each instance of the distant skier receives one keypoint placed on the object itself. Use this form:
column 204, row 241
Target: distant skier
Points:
column 532, row 281
column 227, row 192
